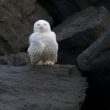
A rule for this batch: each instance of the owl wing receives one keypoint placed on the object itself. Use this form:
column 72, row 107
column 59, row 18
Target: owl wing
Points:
column 35, row 52
column 55, row 40
column 53, row 34
column 35, row 49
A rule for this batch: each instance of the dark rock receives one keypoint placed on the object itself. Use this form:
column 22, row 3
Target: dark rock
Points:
column 79, row 31
column 82, row 4
column 94, row 62
column 41, row 88
column 16, row 22
column 19, row 59
column 7, row 60
column 97, row 3
column 60, row 9
column 96, row 57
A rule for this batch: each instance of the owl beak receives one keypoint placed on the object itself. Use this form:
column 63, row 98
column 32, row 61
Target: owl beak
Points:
column 41, row 28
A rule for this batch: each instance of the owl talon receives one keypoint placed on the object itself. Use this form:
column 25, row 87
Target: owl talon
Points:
column 40, row 63
column 49, row 63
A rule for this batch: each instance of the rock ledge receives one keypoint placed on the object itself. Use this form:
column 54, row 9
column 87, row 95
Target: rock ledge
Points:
column 59, row 87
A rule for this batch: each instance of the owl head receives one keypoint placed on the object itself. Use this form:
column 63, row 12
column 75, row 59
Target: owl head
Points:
column 41, row 26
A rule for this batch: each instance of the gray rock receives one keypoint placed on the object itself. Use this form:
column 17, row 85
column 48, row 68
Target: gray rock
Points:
column 16, row 23
column 77, row 32
column 96, row 58
column 62, row 9
column 94, row 62
column 59, row 9
column 19, row 59
column 41, row 88
column 97, row 3
column 82, row 4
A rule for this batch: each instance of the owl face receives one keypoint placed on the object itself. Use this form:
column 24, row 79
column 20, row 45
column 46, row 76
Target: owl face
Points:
column 41, row 26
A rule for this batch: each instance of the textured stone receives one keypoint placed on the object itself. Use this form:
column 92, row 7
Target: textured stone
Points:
column 41, row 88
column 19, row 59
column 16, row 22
column 77, row 32
column 96, row 58
column 59, row 9
column 62, row 9
column 94, row 62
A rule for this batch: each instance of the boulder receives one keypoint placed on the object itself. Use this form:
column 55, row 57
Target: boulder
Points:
column 62, row 9
column 41, row 88
column 59, row 9
column 96, row 58
column 82, row 4
column 97, row 3
column 94, row 63
column 18, row 59
column 16, row 23
column 77, row 32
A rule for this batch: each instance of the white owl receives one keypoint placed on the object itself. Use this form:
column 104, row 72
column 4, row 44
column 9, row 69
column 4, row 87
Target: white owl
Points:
column 43, row 46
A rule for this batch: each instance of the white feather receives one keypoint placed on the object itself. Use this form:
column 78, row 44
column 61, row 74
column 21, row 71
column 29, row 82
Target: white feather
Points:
column 43, row 45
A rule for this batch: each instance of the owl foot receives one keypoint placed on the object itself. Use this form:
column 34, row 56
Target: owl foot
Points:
column 49, row 63
column 40, row 63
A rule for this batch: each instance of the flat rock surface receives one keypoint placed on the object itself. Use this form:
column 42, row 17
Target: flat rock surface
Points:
column 41, row 88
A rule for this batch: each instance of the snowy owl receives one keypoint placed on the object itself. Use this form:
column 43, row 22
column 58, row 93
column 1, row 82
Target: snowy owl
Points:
column 43, row 46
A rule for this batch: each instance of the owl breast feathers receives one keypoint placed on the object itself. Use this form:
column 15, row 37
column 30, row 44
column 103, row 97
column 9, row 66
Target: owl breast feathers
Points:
column 43, row 46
